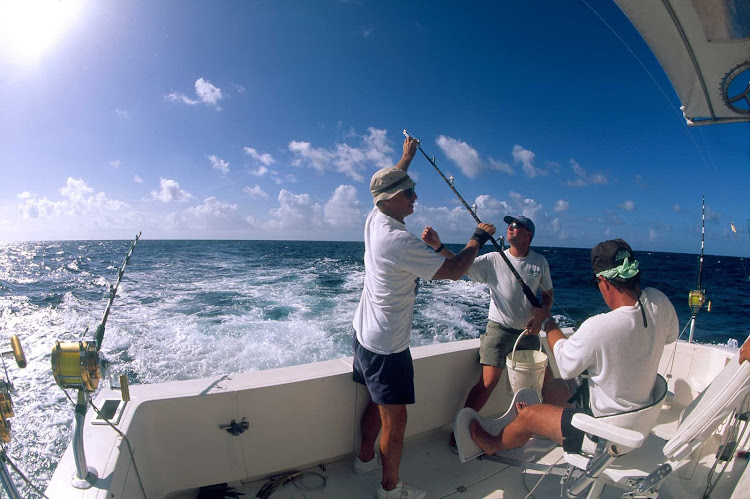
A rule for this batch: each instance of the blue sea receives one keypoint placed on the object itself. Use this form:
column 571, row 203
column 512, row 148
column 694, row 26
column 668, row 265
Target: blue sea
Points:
column 190, row 309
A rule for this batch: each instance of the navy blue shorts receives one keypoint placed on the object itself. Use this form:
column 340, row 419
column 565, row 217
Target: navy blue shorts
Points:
column 388, row 378
column 572, row 436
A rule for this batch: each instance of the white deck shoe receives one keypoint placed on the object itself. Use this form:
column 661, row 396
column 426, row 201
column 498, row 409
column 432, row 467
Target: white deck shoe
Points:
column 402, row 490
column 361, row 467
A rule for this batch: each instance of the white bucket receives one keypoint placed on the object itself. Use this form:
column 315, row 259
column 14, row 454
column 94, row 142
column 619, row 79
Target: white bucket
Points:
column 526, row 368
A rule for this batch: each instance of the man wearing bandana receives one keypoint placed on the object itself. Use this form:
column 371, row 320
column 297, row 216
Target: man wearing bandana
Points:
column 620, row 350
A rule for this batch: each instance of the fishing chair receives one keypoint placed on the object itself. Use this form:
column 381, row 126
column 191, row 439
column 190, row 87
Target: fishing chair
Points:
column 627, row 455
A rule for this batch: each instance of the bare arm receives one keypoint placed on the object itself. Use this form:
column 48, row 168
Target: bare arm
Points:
column 410, row 150
column 547, row 299
column 455, row 266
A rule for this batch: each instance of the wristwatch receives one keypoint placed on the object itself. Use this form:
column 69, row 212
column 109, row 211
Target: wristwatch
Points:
column 544, row 323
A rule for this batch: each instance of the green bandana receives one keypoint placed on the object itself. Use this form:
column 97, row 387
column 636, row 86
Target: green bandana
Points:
column 626, row 270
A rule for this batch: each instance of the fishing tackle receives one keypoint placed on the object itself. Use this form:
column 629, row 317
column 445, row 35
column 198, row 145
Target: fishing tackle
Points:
column 77, row 365
column 697, row 297
column 526, row 290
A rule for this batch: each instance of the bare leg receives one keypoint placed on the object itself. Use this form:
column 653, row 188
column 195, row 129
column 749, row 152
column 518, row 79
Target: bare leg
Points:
column 539, row 419
column 555, row 391
column 392, row 442
column 480, row 393
column 370, row 428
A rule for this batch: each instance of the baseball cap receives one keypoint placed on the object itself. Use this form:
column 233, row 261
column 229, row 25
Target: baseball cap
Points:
column 388, row 182
column 611, row 256
column 522, row 220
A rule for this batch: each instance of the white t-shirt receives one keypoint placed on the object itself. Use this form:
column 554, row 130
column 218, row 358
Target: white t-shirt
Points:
column 395, row 259
column 509, row 307
column 622, row 357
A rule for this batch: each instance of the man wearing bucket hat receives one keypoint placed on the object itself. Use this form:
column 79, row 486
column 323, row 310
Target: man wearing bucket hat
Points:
column 620, row 349
column 395, row 260
column 510, row 310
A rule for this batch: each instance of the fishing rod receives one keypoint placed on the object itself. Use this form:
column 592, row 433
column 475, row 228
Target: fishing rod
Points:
column 697, row 297
column 526, row 290
column 99, row 335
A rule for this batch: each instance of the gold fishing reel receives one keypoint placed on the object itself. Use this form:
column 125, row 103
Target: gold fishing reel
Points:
column 75, row 364
column 697, row 299
column 6, row 387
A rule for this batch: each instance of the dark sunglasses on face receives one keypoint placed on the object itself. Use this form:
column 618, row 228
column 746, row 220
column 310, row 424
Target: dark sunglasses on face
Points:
column 409, row 193
column 515, row 225
column 594, row 280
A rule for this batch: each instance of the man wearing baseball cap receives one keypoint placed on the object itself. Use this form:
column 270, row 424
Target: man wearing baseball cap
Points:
column 395, row 260
column 620, row 349
column 510, row 309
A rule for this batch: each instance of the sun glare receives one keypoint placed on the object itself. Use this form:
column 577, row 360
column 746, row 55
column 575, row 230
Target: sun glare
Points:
column 29, row 28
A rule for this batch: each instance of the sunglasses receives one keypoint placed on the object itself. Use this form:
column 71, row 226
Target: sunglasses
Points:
column 516, row 226
column 409, row 193
column 594, row 281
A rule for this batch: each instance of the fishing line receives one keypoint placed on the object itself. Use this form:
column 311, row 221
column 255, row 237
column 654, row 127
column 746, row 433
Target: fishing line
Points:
column 680, row 116
column 4, row 457
column 526, row 290
column 130, row 449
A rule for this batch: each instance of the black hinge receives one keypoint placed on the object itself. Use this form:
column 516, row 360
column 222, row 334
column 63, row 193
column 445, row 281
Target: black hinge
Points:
column 236, row 428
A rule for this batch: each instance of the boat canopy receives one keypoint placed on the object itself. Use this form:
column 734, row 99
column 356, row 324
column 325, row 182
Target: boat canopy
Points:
column 704, row 47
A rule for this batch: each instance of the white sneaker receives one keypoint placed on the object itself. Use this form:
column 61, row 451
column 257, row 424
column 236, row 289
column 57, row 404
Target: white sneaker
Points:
column 373, row 464
column 402, row 490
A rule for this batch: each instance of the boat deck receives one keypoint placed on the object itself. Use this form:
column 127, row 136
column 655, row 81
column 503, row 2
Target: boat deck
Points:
column 428, row 463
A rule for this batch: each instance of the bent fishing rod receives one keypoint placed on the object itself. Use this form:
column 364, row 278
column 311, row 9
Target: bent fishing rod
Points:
column 99, row 335
column 526, row 290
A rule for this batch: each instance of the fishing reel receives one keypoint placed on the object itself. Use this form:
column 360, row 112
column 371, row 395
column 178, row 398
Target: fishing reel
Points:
column 697, row 299
column 6, row 387
column 76, row 364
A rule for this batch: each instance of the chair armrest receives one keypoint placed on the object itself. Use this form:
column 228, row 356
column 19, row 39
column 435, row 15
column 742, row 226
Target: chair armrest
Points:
column 620, row 436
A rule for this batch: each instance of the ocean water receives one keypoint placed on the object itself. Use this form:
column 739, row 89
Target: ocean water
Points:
column 190, row 309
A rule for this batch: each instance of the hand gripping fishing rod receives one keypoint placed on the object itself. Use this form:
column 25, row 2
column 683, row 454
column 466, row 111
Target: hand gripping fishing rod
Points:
column 526, row 290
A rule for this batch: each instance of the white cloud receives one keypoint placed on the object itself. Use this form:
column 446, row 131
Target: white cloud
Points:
column 169, row 190
column 344, row 210
column 260, row 171
column 676, row 208
column 462, row 154
column 211, row 215
column 207, row 94
column 255, row 192
column 344, row 158
column 366, row 31
column 627, row 205
column 265, row 158
column 114, row 163
column 24, row 195
column 583, row 179
column 561, row 205
column 526, row 158
column 122, row 113
column 77, row 199
column 501, row 166
column 137, row 179
column 526, row 206
column 295, row 211
column 653, row 235
column 218, row 164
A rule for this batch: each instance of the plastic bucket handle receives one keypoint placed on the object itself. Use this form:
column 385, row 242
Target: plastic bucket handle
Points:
column 515, row 345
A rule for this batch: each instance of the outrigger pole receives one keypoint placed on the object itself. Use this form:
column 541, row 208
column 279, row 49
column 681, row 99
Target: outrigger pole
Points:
column 697, row 297
column 526, row 290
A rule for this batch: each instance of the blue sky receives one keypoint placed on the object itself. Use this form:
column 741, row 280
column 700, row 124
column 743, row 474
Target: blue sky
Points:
column 266, row 120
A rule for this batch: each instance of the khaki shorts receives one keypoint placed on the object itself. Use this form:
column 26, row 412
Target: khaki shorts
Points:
column 497, row 342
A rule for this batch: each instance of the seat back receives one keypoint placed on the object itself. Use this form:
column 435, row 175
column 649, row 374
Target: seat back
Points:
column 644, row 419
column 725, row 393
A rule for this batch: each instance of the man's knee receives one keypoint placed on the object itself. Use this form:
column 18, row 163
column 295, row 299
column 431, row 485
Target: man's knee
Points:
column 490, row 377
